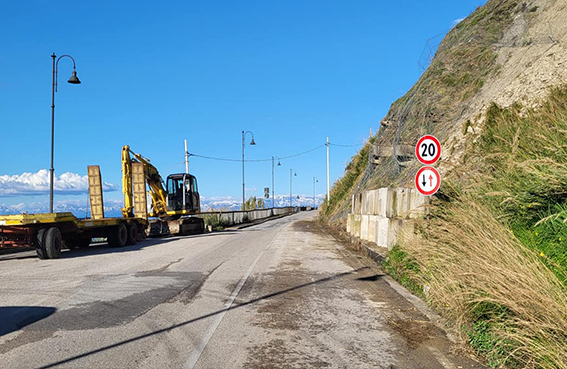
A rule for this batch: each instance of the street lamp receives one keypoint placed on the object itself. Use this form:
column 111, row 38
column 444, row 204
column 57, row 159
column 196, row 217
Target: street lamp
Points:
column 290, row 185
column 273, row 185
column 243, row 145
column 315, row 180
column 74, row 81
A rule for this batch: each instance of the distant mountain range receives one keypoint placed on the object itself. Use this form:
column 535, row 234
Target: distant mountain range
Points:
column 234, row 203
column 112, row 207
column 78, row 208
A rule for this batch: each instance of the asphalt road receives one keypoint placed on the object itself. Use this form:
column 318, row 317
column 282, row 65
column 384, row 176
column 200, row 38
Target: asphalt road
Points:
column 282, row 294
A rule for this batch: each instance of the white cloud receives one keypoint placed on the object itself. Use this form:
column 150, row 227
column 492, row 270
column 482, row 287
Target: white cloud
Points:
column 27, row 184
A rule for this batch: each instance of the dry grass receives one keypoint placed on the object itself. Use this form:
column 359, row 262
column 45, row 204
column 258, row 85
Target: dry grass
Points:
column 473, row 261
column 523, row 156
column 492, row 267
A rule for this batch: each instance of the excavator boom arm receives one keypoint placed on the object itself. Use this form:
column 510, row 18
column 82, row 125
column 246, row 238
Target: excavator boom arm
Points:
column 153, row 179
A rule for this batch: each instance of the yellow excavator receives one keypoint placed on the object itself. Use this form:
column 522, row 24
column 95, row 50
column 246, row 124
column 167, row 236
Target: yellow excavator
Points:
column 174, row 205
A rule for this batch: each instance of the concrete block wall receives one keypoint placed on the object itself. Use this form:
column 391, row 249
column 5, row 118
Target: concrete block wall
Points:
column 380, row 215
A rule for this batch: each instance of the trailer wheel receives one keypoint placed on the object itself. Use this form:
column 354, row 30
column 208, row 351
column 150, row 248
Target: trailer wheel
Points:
column 118, row 236
column 53, row 243
column 40, row 244
column 132, row 234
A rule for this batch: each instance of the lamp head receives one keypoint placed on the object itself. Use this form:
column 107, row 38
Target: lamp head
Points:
column 74, row 79
column 279, row 164
column 252, row 142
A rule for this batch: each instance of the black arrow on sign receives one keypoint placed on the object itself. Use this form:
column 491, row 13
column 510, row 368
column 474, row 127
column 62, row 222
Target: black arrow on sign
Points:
column 423, row 183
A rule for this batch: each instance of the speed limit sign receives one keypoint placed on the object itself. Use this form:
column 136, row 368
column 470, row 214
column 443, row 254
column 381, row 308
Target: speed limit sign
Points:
column 428, row 150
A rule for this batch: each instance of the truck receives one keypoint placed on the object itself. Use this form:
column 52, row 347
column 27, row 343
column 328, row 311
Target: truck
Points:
column 173, row 210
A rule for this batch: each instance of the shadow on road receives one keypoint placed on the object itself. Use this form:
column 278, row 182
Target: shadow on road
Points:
column 103, row 248
column 13, row 318
column 19, row 256
column 371, row 278
column 178, row 325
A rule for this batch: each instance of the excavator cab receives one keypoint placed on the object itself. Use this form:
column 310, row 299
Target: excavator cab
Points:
column 182, row 193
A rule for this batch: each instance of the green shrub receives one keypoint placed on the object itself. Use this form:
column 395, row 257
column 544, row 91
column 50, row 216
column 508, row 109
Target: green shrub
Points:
column 404, row 269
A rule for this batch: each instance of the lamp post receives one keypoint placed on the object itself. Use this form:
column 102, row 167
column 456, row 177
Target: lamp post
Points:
column 75, row 81
column 273, row 182
column 290, row 185
column 315, row 180
column 243, row 185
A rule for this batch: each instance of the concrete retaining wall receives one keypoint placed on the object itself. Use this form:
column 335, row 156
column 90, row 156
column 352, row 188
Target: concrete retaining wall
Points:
column 380, row 215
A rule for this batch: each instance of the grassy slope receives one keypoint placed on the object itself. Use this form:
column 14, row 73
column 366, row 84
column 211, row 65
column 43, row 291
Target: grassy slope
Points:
column 494, row 253
column 465, row 59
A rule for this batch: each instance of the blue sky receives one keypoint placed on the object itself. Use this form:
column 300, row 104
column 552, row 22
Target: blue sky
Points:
column 155, row 73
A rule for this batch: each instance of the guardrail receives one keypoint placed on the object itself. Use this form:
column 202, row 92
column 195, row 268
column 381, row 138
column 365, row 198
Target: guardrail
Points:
column 229, row 218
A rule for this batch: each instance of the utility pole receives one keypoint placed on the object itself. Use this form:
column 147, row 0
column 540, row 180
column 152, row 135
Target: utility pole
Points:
column 186, row 159
column 243, row 191
column 328, row 178
column 290, row 203
column 314, row 181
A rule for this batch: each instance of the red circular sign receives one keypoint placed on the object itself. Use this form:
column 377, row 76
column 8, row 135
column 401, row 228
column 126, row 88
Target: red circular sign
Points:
column 427, row 181
column 428, row 149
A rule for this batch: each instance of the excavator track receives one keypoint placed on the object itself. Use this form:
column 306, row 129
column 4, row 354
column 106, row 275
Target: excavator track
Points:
column 177, row 227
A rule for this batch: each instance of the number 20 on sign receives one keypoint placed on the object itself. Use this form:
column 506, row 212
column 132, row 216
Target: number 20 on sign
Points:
column 427, row 179
column 428, row 150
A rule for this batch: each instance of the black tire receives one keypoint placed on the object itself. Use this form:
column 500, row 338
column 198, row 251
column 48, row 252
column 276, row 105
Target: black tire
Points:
column 200, row 226
column 40, row 244
column 132, row 234
column 118, row 236
column 142, row 235
column 53, row 243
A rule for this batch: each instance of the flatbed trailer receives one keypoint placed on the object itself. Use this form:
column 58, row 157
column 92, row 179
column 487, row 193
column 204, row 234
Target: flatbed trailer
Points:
column 49, row 232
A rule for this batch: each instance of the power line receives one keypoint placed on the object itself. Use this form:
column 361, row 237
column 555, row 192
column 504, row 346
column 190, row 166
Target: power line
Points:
column 341, row 145
column 255, row 160
column 301, row 153
column 208, row 157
